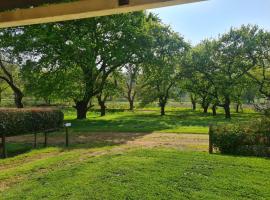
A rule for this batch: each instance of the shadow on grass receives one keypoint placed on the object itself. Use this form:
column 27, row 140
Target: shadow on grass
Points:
column 152, row 122
column 21, row 144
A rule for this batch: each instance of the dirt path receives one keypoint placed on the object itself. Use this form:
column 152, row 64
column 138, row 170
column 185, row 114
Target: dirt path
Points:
column 197, row 142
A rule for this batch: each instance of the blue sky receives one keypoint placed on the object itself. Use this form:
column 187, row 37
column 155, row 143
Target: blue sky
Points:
column 197, row 21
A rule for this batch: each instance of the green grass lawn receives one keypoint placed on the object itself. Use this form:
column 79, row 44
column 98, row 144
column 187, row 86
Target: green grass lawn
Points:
column 106, row 166
column 177, row 120
column 134, row 174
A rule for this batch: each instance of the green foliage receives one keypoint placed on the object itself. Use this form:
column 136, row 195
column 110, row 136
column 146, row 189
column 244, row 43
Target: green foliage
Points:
column 244, row 139
column 162, row 70
column 26, row 121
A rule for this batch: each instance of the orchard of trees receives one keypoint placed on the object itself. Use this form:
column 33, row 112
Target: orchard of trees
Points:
column 133, row 56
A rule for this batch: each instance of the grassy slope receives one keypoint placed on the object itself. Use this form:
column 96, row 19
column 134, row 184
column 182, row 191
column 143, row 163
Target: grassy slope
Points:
column 136, row 174
column 177, row 120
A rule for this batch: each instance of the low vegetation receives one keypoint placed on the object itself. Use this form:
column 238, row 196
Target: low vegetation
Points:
column 26, row 121
column 252, row 138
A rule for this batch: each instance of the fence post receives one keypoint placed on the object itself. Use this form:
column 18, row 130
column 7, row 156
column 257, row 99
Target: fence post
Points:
column 211, row 139
column 35, row 140
column 67, row 136
column 4, row 148
column 45, row 139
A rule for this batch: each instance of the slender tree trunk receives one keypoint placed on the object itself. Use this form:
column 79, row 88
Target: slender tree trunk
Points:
column 214, row 110
column 162, row 109
column 131, row 104
column 81, row 108
column 193, row 102
column 193, row 105
column 102, row 106
column 227, row 108
column 162, row 104
column 237, row 108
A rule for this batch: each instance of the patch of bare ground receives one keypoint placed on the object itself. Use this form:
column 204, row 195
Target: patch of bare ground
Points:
column 197, row 142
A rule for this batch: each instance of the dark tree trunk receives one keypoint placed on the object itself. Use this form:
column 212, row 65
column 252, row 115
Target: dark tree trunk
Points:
column 131, row 104
column 162, row 104
column 102, row 110
column 205, row 108
column 193, row 105
column 214, row 110
column 162, row 109
column 238, row 108
column 227, row 108
column 18, row 96
column 82, row 108
column 102, row 106
column 205, row 104
column 193, row 102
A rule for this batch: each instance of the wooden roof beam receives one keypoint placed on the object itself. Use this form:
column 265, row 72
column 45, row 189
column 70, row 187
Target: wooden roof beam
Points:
column 74, row 10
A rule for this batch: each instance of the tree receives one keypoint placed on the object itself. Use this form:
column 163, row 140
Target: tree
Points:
column 261, row 55
column 162, row 69
column 9, row 74
column 225, row 62
column 3, row 88
column 131, row 83
column 110, row 89
column 82, row 54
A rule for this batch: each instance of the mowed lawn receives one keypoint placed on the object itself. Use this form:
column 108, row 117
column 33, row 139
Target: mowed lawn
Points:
column 133, row 155
column 133, row 174
column 177, row 120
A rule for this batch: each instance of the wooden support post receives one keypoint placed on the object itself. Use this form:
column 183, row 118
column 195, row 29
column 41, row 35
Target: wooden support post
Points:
column 4, row 148
column 35, row 140
column 67, row 137
column 210, row 139
column 45, row 139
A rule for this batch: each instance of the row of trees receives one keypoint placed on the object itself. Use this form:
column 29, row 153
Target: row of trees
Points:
column 134, row 56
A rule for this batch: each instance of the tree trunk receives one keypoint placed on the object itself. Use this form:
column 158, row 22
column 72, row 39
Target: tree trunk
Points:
column 102, row 110
column 227, row 107
column 81, row 108
column 131, row 104
column 102, row 106
column 18, row 96
column 193, row 102
column 162, row 109
column 237, row 108
column 214, row 110
column 205, row 108
column 162, row 104
column 193, row 105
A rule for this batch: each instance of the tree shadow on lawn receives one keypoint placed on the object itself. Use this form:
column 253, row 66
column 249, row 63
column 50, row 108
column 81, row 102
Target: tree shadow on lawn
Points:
column 23, row 144
column 152, row 122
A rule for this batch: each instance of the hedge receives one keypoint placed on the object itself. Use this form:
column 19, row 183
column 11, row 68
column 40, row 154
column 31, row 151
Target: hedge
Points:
column 14, row 122
column 250, row 139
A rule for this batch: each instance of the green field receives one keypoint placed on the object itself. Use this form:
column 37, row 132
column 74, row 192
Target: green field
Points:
column 177, row 120
column 133, row 155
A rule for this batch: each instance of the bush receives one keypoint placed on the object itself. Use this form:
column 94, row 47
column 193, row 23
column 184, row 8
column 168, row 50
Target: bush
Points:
column 15, row 122
column 252, row 139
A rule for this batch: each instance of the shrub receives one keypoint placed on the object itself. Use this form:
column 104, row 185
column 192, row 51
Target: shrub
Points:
column 251, row 139
column 24, row 121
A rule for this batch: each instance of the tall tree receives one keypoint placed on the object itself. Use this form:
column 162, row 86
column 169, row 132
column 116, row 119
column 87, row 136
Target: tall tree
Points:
column 82, row 54
column 162, row 70
column 109, row 90
column 131, row 83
